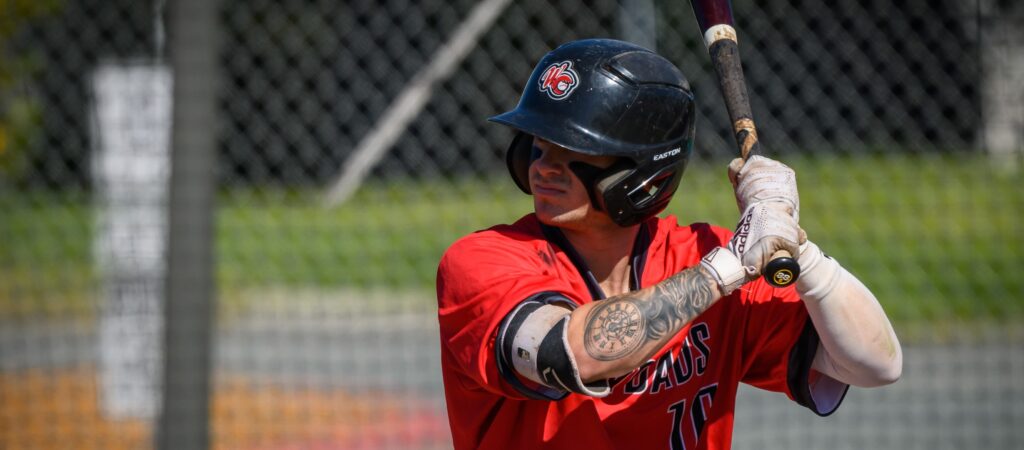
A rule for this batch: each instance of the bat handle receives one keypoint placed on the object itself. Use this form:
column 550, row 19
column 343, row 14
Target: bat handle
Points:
column 782, row 270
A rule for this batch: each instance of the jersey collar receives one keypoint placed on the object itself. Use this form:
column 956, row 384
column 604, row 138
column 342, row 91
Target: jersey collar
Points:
column 638, row 257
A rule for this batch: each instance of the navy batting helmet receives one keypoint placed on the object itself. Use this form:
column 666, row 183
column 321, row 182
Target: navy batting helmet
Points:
column 608, row 97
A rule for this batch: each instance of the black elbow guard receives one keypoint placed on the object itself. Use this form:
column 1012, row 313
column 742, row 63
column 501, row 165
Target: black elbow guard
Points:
column 533, row 340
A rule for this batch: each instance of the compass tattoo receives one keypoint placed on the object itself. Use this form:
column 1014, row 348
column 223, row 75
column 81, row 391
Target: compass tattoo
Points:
column 619, row 326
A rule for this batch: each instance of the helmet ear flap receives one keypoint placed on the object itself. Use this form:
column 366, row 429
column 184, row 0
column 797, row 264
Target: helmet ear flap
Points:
column 598, row 181
column 518, row 159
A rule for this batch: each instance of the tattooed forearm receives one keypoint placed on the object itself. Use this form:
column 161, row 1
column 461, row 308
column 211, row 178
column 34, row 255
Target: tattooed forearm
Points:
column 620, row 326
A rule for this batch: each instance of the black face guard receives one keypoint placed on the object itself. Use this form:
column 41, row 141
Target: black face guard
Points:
column 596, row 179
column 620, row 190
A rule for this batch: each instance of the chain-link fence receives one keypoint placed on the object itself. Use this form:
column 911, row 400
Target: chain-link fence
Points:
column 352, row 148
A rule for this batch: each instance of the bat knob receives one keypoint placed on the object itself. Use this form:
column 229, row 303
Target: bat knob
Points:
column 781, row 272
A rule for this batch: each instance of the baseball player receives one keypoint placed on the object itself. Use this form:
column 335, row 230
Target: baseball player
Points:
column 593, row 323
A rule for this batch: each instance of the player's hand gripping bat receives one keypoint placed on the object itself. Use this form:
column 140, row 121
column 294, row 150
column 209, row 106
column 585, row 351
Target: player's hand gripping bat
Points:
column 715, row 20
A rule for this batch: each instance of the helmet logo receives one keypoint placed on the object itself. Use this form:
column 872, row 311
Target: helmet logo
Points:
column 559, row 80
column 667, row 154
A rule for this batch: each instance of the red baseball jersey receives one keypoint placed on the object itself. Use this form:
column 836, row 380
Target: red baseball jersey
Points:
column 682, row 398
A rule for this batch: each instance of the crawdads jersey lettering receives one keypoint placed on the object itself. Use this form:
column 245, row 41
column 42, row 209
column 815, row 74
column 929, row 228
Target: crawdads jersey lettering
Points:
column 682, row 398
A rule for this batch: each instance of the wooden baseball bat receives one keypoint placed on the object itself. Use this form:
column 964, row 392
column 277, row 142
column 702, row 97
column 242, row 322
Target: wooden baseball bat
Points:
column 716, row 23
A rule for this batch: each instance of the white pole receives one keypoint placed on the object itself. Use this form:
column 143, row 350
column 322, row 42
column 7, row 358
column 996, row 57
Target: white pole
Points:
column 131, row 168
column 1002, row 51
column 411, row 101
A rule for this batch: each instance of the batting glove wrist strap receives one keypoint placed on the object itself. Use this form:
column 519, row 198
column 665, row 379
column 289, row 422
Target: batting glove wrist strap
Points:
column 725, row 268
column 819, row 273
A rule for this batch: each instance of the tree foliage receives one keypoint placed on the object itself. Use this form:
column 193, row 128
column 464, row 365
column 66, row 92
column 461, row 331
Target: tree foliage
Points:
column 20, row 113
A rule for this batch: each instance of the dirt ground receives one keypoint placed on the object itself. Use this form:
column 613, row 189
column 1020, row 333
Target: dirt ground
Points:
column 58, row 410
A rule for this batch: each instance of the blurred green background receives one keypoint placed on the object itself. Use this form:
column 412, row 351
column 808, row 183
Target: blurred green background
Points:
column 937, row 237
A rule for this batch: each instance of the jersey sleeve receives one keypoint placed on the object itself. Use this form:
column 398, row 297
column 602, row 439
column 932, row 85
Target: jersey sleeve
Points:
column 779, row 346
column 480, row 280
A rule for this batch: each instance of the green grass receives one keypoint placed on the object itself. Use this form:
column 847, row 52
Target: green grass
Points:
column 391, row 235
column 937, row 238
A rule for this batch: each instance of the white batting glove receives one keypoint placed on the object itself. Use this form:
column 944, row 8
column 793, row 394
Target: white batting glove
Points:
column 767, row 196
column 761, row 179
column 763, row 229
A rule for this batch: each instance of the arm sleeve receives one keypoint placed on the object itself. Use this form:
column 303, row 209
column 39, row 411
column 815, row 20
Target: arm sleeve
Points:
column 480, row 281
column 779, row 347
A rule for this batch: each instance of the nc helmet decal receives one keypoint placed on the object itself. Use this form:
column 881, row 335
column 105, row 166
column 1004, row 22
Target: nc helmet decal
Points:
column 559, row 80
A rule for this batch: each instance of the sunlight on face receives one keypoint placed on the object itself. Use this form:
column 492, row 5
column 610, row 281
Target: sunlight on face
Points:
column 559, row 197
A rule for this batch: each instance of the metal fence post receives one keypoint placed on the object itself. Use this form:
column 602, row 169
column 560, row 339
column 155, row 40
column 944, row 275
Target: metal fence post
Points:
column 185, row 420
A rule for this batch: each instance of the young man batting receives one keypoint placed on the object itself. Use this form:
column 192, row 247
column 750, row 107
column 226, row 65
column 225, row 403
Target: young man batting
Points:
column 593, row 323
